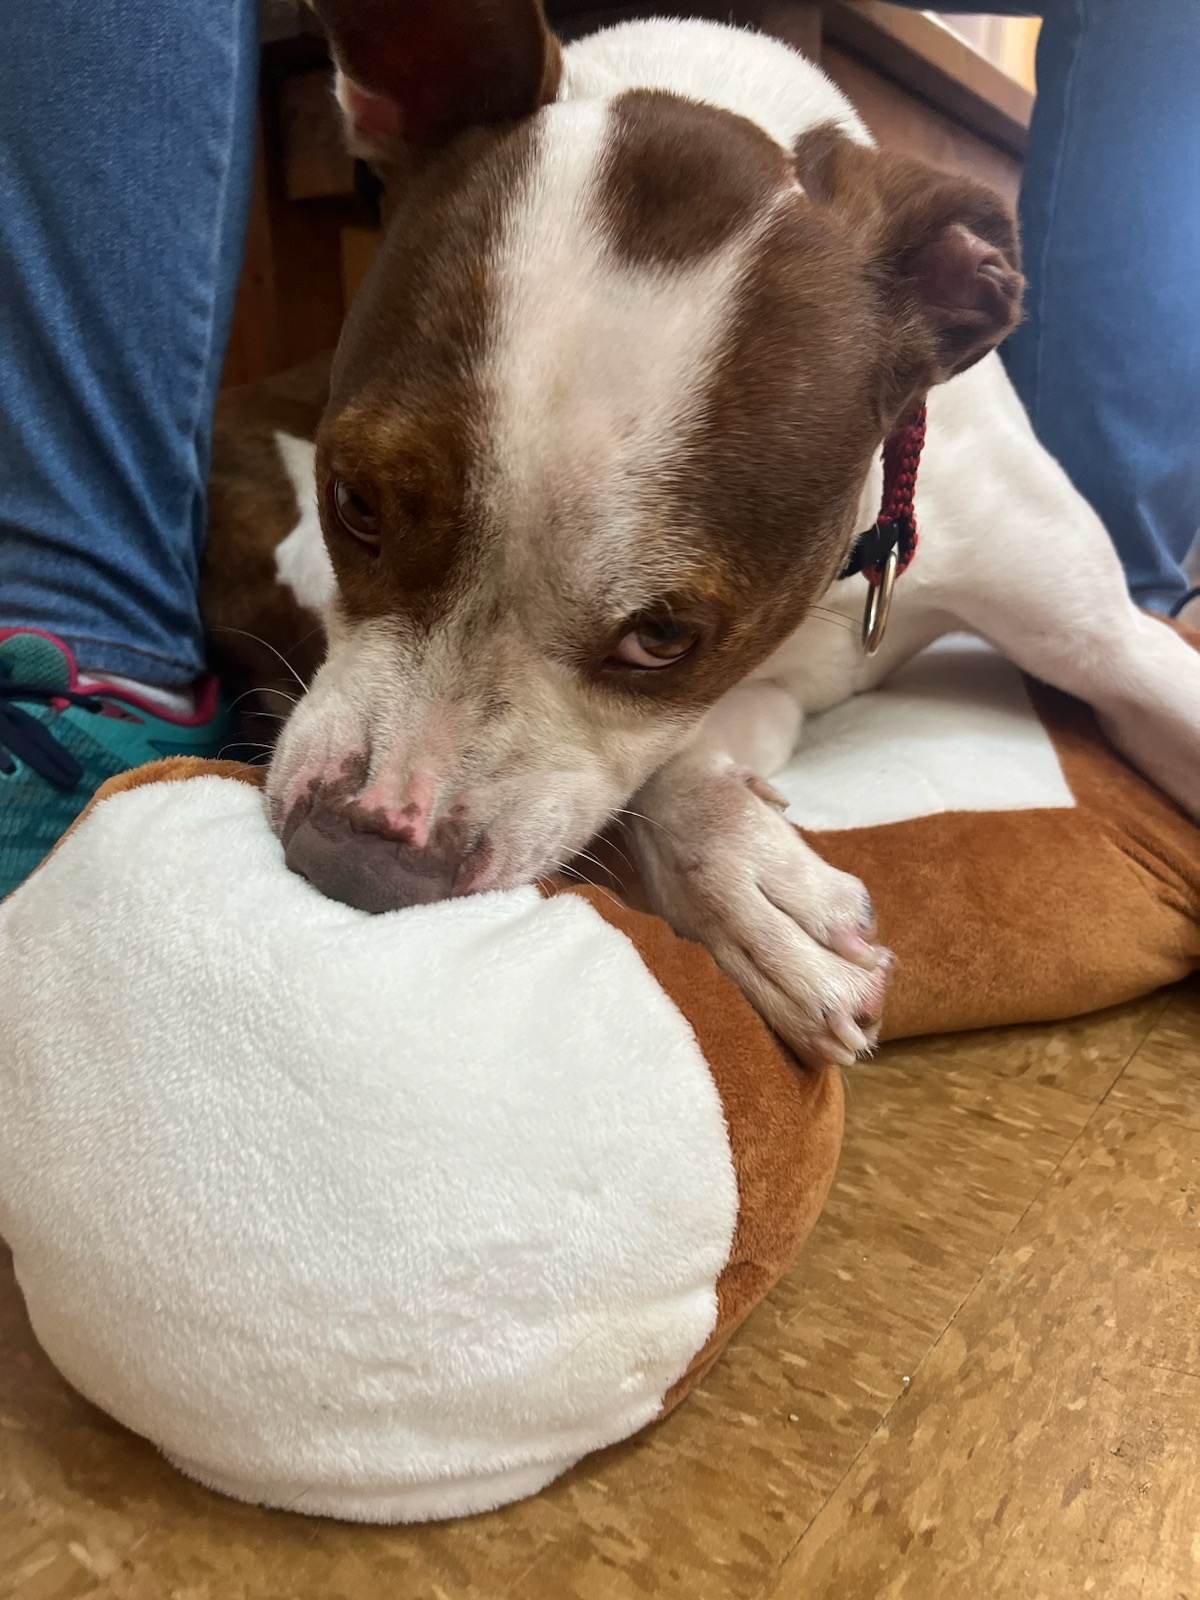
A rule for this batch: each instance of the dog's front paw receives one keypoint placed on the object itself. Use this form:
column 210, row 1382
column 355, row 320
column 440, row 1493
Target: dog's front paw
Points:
column 722, row 864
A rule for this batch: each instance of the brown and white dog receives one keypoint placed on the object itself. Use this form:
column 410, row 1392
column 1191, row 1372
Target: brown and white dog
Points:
column 602, row 427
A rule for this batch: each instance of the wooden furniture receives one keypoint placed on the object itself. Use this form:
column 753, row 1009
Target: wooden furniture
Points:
column 919, row 87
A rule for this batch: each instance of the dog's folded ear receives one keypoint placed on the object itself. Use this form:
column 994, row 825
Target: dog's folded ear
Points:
column 942, row 250
column 413, row 73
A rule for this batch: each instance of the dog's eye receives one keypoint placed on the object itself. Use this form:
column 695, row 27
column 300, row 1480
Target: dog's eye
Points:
column 355, row 512
column 654, row 642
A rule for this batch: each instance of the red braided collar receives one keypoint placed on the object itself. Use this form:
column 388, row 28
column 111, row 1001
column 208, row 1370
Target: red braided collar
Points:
column 896, row 527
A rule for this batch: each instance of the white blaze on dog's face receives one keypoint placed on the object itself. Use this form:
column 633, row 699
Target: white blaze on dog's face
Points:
column 598, row 427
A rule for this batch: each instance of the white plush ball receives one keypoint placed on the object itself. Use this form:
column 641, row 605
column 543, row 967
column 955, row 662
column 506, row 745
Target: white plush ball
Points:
column 383, row 1217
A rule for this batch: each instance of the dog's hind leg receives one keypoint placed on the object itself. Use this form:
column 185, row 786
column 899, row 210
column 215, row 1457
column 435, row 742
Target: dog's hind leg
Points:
column 1040, row 579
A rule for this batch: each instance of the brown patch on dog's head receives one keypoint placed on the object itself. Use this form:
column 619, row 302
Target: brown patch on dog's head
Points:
column 439, row 95
column 681, row 178
column 408, row 388
column 773, row 469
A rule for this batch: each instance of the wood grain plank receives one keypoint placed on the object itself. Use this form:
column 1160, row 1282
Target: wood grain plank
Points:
column 359, row 248
column 285, row 19
column 312, row 146
column 931, row 61
column 1048, row 1445
column 1084, row 1056
column 1163, row 1079
column 907, row 123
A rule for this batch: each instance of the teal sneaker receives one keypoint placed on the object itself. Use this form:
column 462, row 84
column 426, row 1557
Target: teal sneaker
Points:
column 59, row 743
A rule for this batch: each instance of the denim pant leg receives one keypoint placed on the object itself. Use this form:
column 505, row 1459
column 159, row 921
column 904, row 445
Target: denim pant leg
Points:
column 126, row 146
column 1108, row 360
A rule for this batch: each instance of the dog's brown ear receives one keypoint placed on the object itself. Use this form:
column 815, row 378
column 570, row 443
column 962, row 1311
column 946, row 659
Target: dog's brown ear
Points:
column 413, row 73
column 942, row 250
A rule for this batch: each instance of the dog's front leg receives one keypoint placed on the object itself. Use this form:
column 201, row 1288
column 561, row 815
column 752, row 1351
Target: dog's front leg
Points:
column 723, row 865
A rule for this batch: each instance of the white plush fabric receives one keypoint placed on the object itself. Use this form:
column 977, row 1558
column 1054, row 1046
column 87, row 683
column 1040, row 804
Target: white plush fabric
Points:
column 387, row 1218
column 953, row 730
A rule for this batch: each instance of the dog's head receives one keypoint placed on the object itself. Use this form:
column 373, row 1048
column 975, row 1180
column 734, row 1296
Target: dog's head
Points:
column 600, row 422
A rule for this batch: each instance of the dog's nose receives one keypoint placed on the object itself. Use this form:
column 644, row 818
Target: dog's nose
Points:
column 369, row 870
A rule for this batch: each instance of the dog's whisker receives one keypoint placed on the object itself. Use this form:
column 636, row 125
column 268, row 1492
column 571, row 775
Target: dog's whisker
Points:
column 820, row 614
column 642, row 817
column 242, row 744
column 625, row 811
column 585, row 855
column 266, row 644
column 573, row 872
column 305, row 637
column 614, row 846
column 275, row 715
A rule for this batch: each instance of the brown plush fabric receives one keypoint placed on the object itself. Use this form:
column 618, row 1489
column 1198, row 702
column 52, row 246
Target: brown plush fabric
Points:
column 784, row 1122
column 176, row 769
column 1031, row 916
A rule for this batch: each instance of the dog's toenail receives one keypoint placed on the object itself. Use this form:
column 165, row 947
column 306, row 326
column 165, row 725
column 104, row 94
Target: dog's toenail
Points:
column 852, row 948
column 766, row 791
column 848, row 1033
column 831, row 1052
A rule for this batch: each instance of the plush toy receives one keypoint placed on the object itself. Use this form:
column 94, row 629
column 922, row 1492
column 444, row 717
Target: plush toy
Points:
column 382, row 1217
column 398, row 1217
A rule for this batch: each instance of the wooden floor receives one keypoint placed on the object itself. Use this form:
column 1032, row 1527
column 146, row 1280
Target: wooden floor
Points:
column 982, row 1378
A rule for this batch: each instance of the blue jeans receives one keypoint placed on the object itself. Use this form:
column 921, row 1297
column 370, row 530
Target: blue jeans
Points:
column 125, row 154
column 1108, row 359
column 126, row 150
